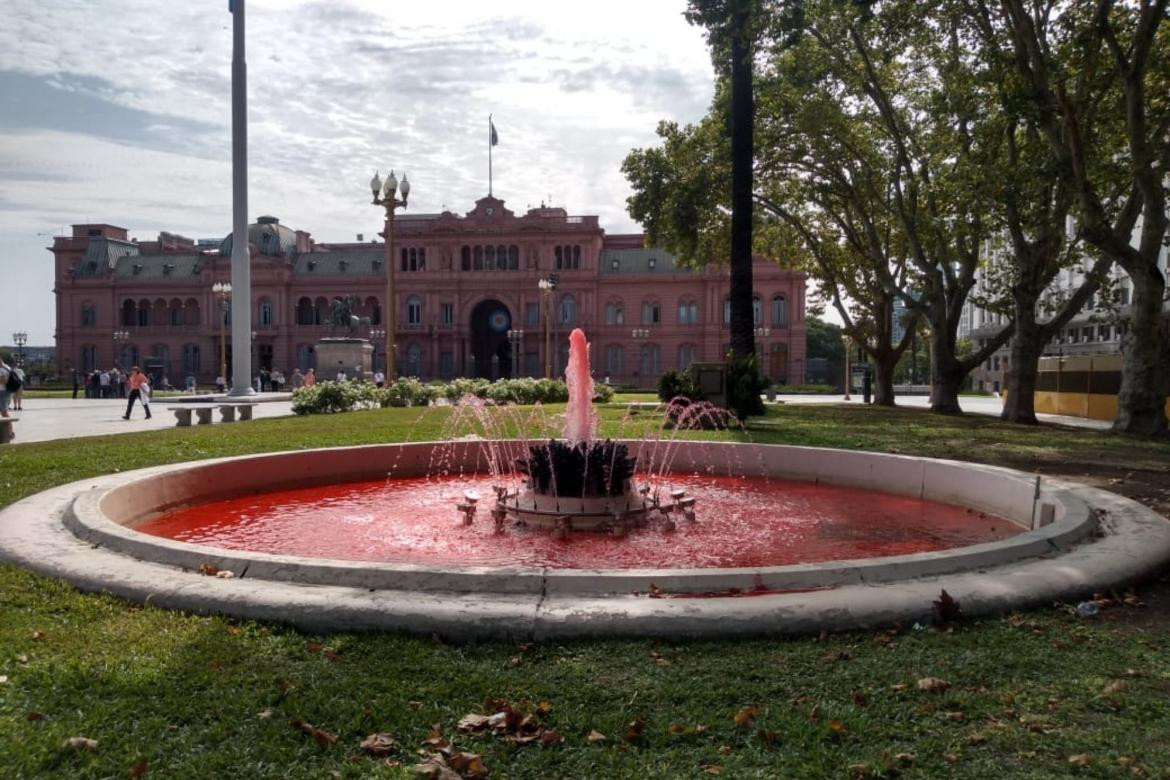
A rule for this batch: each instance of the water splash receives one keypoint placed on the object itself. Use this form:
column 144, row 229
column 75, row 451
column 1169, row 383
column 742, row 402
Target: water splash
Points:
column 580, row 420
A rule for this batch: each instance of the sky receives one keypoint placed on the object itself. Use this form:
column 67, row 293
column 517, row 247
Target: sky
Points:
column 119, row 111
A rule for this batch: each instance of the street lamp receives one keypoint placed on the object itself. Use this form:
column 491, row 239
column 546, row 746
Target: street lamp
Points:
column 20, row 338
column 223, row 291
column 640, row 334
column 845, row 339
column 516, row 337
column 376, row 335
column 120, row 336
column 547, row 285
column 384, row 195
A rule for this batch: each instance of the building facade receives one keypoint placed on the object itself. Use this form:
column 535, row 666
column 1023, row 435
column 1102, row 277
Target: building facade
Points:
column 468, row 300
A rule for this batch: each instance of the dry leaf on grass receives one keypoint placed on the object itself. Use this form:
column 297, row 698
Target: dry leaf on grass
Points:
column 837, row 727
column 81, row 743
column 595, row 737
column 1080, row 759
column 1114, row 687
column 379, row 744
column 472, row 722
column 634, row 730
column 320, row 736
column 933, row 684
column 468, row 765
column 712, row 769
column 744, row 717
column 265, row 714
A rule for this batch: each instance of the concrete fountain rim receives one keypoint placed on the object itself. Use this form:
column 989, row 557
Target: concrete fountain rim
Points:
column 1097, row 540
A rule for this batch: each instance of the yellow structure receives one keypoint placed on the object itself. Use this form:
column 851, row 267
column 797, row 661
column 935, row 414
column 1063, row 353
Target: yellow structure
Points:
column 1080, row 386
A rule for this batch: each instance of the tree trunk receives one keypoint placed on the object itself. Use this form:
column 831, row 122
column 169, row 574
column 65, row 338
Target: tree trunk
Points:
column 883, row 386
column 947, row 379
column 1027, row 344
column 1142, row 399
column 740, row 120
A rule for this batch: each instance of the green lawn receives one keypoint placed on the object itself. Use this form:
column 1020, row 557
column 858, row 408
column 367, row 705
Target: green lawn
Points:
column 183, row 695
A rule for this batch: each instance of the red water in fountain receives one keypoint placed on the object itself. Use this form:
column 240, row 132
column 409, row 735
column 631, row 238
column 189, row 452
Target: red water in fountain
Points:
column 741, row 522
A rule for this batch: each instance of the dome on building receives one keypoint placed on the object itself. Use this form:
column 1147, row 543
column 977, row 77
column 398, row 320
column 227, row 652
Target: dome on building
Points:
column 268, row 236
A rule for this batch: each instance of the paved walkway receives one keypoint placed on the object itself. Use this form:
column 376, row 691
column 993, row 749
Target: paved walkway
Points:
column 45, row 419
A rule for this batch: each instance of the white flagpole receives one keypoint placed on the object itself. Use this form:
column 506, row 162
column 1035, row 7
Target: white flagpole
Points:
column 241, row 260
column 489, row 155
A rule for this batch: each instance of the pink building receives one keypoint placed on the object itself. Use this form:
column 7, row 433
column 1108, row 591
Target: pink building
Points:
column 464, row 286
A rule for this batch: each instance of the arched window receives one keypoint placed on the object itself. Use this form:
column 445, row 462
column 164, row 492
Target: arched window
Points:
column 576, row 257
column 477, row 258
column 320, row 312
column 176, row 308
column 779, row 312
column 688, row 312
column 501, row 258
column 305, row 315
column 191, row 312
column 559, row 252
column 513, row 258
column 413, row 310
column 614, row 360
column 159, row 314
column 686, row 356
column 129, row 314
column 88, row 314
column 422, row 259
column 265, row 312
column 568, row 310
column 162, row 354
column 413, row 365
column 757, row 310
column 129, row 355
column 374, row 310
column 404, row 263
column 650, row 361
column 89, row 358
column 489, row 258
column 465, row 255
column 651, row 313
column 614, row 314
column 144, row 313
column 190, row 359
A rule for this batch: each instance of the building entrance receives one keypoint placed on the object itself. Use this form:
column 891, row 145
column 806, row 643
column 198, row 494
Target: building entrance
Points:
column 491, row 352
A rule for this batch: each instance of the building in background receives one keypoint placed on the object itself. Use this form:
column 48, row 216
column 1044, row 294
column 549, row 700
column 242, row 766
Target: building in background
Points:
column 467, row 299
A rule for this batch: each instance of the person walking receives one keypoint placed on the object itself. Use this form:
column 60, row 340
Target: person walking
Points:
column 310, row 378
column 136, row 381
column 104, row 380
column 297, row 379
column 18, row 394
column 76, row 382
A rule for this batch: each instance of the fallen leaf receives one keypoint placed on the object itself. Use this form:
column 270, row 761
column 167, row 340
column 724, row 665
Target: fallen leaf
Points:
column 676, row 728
column 1080, row 759
column 233, row 630
column 551, row 737
column 701, row 727
column 634, row 730
column 744, row 717
column 379, row 744
column 265, row 714
column 436, row 739
column 655, row 591
column 955, row 715
column 313, row 647
column 34, row 715
column 947, row 609
column 724, row 750
column 320, row 736
column 472, row 722
column 38, row 635
column 81, row 743
column 207, row 570
column 768, row 737
column 712, row 769
column 469, row 765
column 904, row 758
column 1125, row 761
column 224, row 574
column 22, row 659
column 544, row 708
column 861, row 770
column 138, row 770
column 860, row 699
column 933, row 684
column 3, row 679
column 1114, row 687
column 595, row 737
column 434, row 769
column 899, row 687
column 837, row 727
column 950, row 758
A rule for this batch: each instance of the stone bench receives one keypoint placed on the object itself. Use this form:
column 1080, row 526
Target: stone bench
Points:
column 202, row 412
column 6, row 432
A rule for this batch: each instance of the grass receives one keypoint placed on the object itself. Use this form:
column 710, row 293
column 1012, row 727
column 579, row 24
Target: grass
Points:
column 181, row 694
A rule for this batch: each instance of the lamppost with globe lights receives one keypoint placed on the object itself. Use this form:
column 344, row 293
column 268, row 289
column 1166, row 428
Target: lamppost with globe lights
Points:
column 639, row 334
column 848, row 377
column 376, row 335
column 20, row 338
column 547, row 285
column 223, row 291
column 516, row 338
column 120, row 337
column 385, row 194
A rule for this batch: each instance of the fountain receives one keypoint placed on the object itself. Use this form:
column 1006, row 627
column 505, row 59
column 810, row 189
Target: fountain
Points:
column 579, row 483
column 585, row 537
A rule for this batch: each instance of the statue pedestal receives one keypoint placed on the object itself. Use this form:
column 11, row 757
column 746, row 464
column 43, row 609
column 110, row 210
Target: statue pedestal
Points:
column 353, row 356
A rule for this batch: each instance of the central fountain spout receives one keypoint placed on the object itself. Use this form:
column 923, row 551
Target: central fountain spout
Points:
column 580, row 421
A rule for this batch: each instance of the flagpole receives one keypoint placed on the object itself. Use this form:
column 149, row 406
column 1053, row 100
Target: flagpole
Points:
column 241, row 271
column 489, row 155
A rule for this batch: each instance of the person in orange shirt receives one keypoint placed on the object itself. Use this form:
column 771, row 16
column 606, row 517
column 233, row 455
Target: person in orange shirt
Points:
column 137, row 380
column 310, row 379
